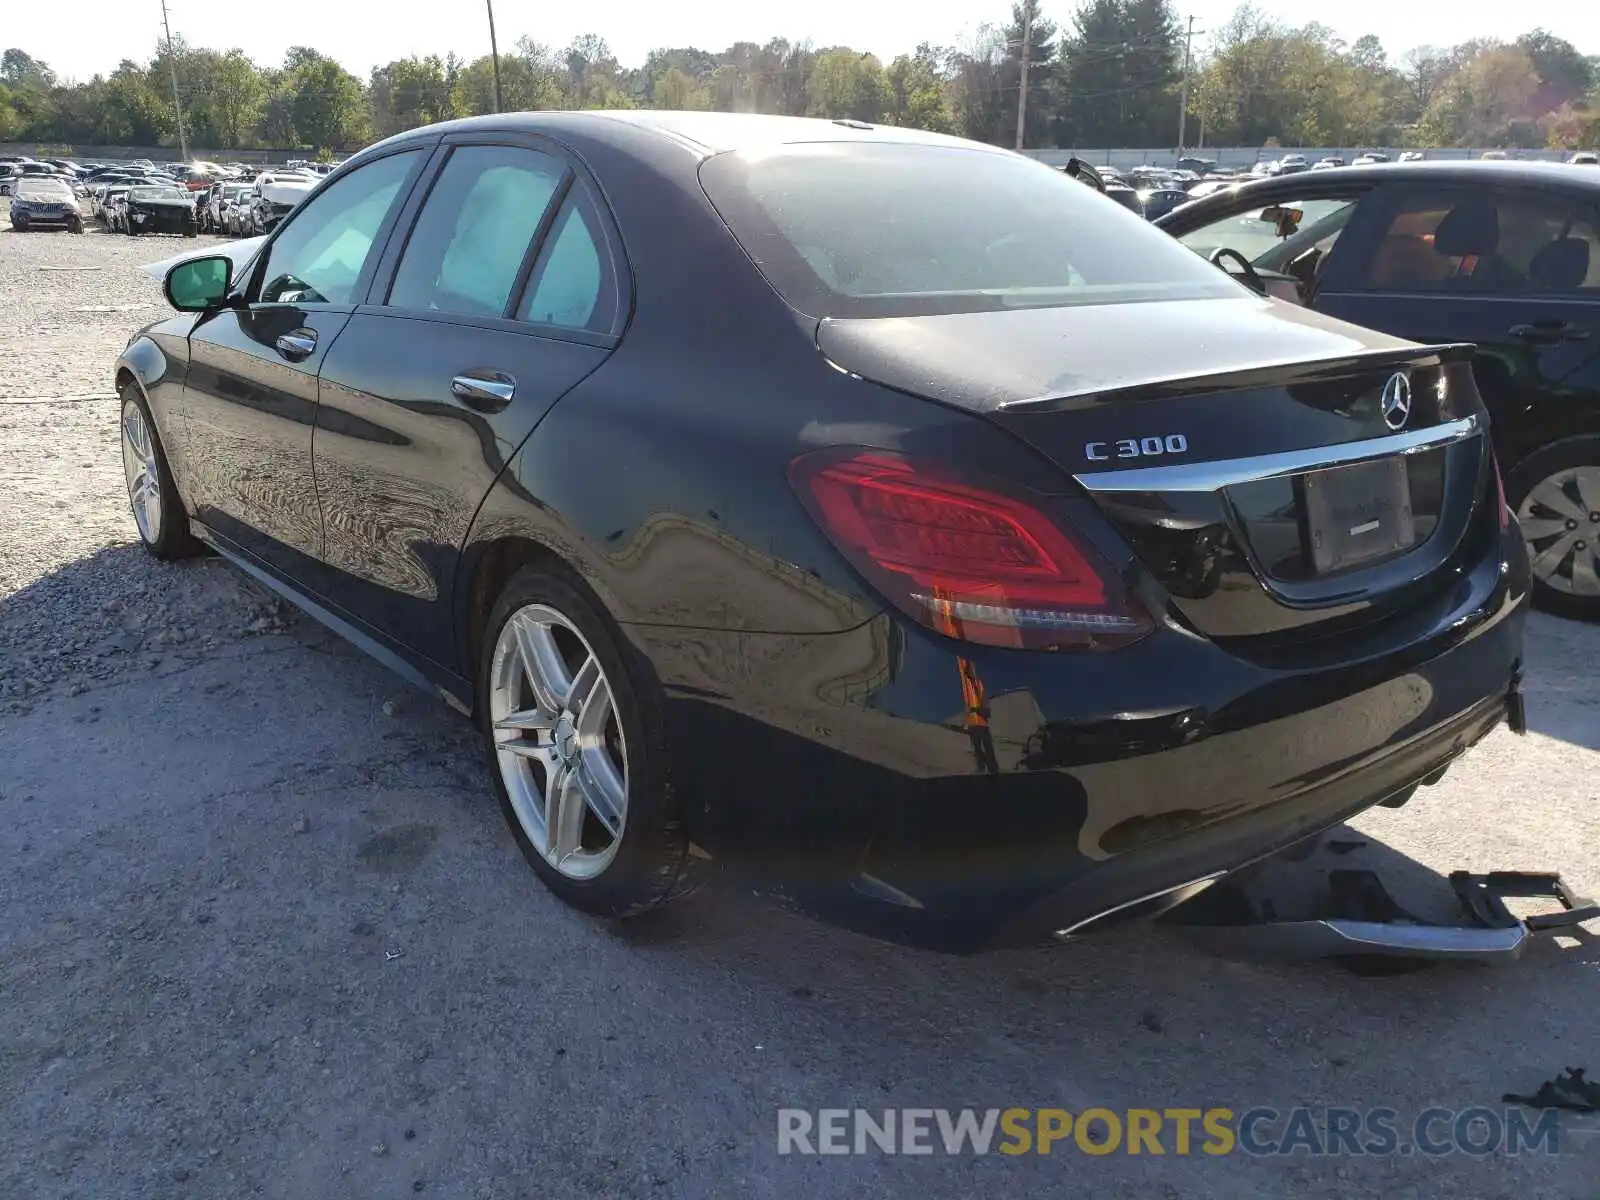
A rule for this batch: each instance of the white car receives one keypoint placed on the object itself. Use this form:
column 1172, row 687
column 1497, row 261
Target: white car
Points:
column 1584, row 158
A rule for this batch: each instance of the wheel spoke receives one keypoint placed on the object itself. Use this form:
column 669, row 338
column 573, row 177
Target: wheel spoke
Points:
column 546, row 673
column 1536, row 529
column 529, row 720
column 602, row 788
column 563, row 815
column 1588, row 481
column 1550, row 494
column 1585, row 582
column 588, row 684
column 522, row 748
column 1548, row 561
column 130, row 429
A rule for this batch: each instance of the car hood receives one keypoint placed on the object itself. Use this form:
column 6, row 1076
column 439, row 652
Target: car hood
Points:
column 985, row 361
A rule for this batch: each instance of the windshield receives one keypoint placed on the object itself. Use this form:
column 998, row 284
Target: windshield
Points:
column 153, row 193
column 44, row 189
column 857, row 229
column 1259, row 240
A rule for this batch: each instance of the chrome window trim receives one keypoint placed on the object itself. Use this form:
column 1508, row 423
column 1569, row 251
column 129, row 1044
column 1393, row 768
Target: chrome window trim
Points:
column 1206, row 477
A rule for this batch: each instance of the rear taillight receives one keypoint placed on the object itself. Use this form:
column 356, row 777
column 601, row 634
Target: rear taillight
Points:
column 972, row 562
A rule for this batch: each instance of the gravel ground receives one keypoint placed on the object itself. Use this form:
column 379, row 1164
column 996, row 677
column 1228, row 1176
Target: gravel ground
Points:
column 262, row 932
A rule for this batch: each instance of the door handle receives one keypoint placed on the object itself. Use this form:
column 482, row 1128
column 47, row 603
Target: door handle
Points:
column 1548, row 333
column 486, row 391
column 297, row 344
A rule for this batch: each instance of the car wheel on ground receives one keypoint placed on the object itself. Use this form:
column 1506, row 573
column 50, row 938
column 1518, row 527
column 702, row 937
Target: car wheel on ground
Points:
column 1555, row 492
column 20, row 224
column 158, row 510
column 576, row 746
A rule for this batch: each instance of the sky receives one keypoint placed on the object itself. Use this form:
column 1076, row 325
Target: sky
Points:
column 366, row 33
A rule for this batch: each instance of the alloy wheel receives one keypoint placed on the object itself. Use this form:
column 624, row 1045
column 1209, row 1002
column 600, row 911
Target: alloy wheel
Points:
column 558, row 742
column 1560, row 518
column 143, row 471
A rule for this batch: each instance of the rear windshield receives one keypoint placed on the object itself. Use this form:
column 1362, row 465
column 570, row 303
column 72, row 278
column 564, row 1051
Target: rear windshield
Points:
column 861, row 229
column 153, row 193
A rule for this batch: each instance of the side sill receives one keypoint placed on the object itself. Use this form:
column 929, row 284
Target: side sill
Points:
column 458, row 697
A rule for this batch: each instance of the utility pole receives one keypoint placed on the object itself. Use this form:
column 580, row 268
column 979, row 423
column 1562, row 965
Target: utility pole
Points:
column 177, row 104
column 1183, row 95
column 1022, row 90
column 494, row 54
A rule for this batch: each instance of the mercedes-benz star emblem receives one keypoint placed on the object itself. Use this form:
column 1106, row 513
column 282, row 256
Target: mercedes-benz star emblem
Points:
column 1397, row 401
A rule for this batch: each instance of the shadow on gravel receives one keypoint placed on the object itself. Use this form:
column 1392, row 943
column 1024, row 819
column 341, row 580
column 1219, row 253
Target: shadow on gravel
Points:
column 86, row 623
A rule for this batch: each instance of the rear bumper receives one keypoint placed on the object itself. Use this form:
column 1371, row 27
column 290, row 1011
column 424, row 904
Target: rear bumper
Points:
column 842, row 772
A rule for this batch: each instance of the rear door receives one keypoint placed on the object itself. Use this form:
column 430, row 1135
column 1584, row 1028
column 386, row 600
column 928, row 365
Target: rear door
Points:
column 250, row 396
column 1514, row 270
column 505, row 294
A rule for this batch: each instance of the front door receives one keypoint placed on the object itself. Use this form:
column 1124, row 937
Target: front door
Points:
column 250, row 396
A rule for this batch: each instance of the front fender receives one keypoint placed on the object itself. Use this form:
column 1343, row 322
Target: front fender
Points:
column 156, row 359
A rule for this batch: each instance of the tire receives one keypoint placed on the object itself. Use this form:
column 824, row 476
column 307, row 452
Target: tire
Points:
column 650, row 862
column 20, row 224
column 164, row 527
column 1555, row 492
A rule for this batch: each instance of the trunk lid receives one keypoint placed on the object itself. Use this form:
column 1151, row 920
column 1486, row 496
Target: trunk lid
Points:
column 1281, row 474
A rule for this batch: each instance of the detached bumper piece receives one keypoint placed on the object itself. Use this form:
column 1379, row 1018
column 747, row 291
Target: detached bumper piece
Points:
column 1363, row 922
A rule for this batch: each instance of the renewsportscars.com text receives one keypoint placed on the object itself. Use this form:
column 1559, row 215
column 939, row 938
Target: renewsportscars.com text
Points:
column 1179, row 1131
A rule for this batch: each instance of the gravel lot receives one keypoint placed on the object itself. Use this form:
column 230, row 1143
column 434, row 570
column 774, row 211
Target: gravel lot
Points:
column 262, row 932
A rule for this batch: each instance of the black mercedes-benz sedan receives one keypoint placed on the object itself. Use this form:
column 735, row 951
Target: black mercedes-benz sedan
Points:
column 1500, row 254
column 885, row 514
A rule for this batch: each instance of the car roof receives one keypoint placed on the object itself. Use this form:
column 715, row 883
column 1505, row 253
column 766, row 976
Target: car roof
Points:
column 703, row 133
column 1544, row 174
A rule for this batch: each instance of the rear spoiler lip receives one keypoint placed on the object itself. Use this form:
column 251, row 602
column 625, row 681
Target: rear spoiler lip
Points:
column 1290, row 370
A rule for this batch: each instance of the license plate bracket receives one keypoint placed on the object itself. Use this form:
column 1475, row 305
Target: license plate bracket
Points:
column 1358, row 514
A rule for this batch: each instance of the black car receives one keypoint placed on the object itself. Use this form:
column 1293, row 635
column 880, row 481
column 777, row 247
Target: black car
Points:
column 1159, row 201
column 883, row 513
column 159, row 210
column 1504, row 255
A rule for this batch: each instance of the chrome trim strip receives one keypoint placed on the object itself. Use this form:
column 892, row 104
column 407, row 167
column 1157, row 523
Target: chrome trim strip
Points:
column 1224, row 473
column 1195, row 885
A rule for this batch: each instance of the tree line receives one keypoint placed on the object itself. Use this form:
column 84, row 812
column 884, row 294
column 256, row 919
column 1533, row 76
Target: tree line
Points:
column 1109, row 75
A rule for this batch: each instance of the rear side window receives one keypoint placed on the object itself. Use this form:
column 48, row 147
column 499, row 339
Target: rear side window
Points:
column 1486, row 242
column 864, row 229
column 475, row 229
column 572, row 284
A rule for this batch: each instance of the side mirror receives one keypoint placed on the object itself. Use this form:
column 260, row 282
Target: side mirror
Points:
column 1084, row 173
column 199, row 284
column 1287, row 220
